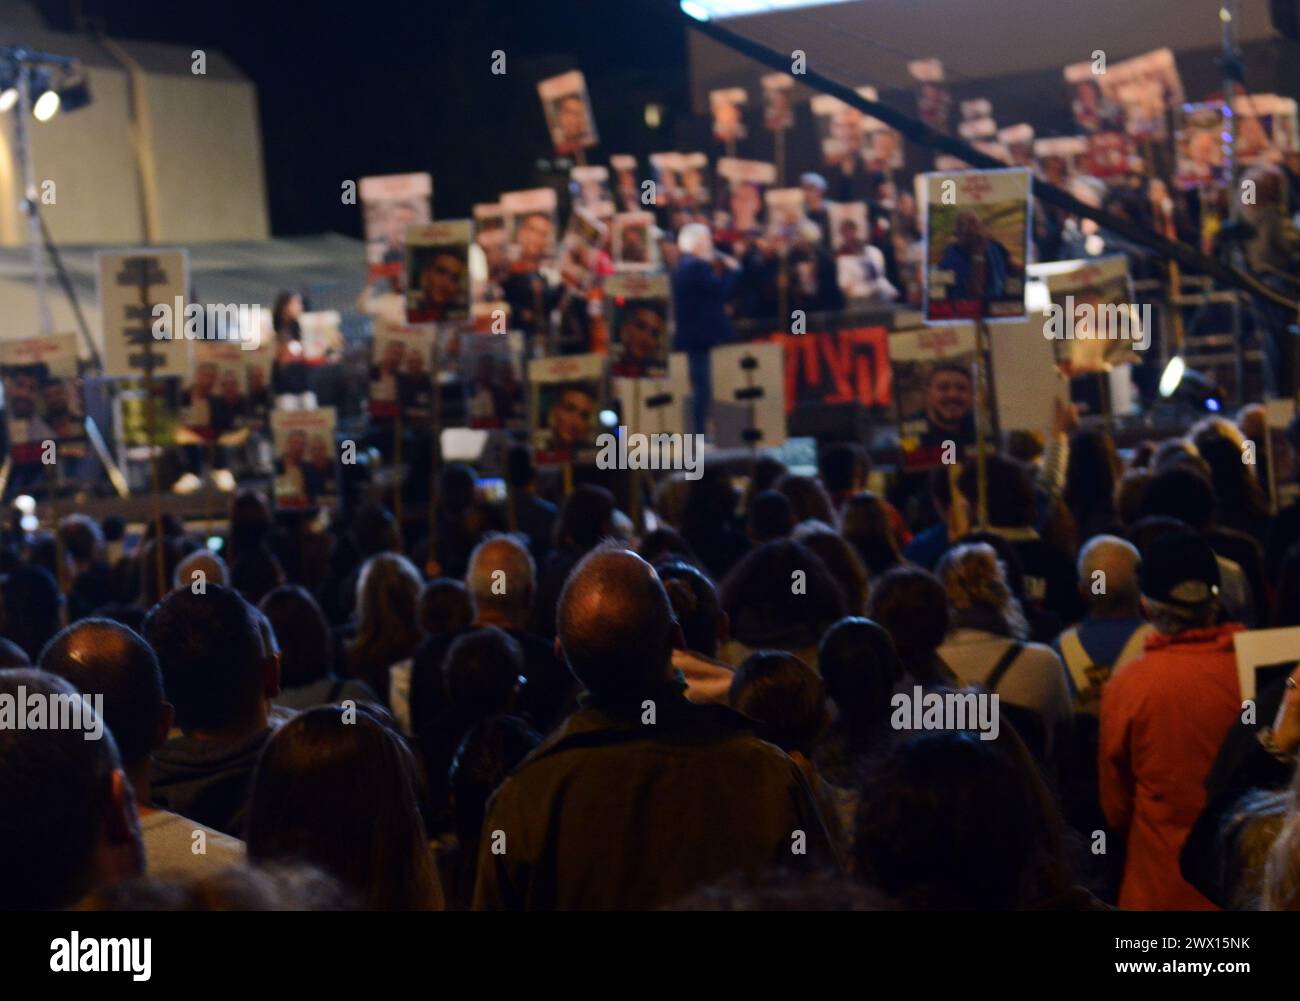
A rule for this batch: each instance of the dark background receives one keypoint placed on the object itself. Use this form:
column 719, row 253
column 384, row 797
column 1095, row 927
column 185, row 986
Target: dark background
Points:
column 347, row 90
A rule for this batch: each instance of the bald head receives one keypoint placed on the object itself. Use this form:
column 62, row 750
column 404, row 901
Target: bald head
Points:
column 615, row 624
column 500, row 580
column 204, row 561
column 102, row 657
column 1108, row 568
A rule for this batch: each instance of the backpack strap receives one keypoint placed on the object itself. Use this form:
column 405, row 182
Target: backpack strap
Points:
column 1135, row 647
column 1076, row 659
column 1000, row 668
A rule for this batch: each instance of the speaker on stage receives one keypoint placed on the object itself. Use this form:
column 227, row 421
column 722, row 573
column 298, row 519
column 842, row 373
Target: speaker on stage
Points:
column 1286, row 18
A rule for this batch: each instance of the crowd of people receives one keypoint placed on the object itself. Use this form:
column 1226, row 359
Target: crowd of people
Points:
column 588, row 714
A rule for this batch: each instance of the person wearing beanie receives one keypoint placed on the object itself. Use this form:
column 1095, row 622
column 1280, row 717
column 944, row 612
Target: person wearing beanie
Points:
column 1163, row 719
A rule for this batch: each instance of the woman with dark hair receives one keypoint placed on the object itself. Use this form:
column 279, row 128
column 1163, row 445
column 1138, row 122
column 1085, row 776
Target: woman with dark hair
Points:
column 289, row 369
column 709, row 522
column 337, row 788
column 388, row 622
column 665, row 544
column 306, row 643
column 948, row 821
column 861, row 669
column 586, row 518
column 866, row 525
column 808, row 498
column 1091, row 473
column 250, row 523
column 781, row 596
column 1240, row 501
column 704, row 627
column 841, row 560
column 910, row 604
column 255, row 574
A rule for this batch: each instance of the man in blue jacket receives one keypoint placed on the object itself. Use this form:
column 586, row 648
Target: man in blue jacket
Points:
column 702, row 284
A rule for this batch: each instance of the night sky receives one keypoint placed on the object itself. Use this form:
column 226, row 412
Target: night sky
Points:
column 347, row 90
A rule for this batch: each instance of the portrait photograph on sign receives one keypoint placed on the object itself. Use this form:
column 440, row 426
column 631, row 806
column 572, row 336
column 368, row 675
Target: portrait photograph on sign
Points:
column 638, row 304
column 306, row 458
column 391, row 205
column 977, row 229
column 568, row 112
column 530, row 216
column 437, row 271
column 568, row 394
column 42, row 392
column 495, row 388
column 934, row 392
column 400, row 376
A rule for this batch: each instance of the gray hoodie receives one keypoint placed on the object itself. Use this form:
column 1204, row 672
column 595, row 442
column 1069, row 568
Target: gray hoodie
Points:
column 207, row 780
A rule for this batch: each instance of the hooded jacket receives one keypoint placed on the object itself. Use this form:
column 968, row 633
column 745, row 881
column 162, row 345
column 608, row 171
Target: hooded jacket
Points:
column 207, row 780
column 615, row 812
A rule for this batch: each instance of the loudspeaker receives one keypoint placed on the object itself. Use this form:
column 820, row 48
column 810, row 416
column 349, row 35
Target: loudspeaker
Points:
column 1286, row 18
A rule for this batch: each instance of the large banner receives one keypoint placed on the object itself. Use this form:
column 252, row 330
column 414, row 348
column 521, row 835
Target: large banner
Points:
column 977, row 230
column 1136, row 94
column 142, row 302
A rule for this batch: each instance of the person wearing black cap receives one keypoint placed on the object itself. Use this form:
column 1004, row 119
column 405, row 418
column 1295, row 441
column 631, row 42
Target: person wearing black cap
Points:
column 1163, row 718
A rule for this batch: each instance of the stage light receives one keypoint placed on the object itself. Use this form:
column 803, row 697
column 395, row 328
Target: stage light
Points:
column 8, row 98
column 46, row 106
column 25, row 503
column 29, row 523
column 1172, row 376
column 695, row 10
column 654, row 115
column 608, row 418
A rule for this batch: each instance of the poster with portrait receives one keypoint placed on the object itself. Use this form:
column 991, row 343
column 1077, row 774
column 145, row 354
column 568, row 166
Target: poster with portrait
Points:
column 934, row 392
column 494, row 381
column 778, row 101
column 530, row 216
column 568, row 112
column 1201, row 146
column 133, row 413
column 656, row 406
column 1266, row 127
column 258, row 398
column 493, row 238
column 841, row 129
column 143, row 296
column 785, row 215
column 391, row 204
column 1060, row 157
column 1108, row 155
column 589, row 190
column 306, row 459
column 1026, row 380
column 744, row 182
column 1135, row 94
column 633, row 242
column 977, row 227
column 638, row 343
column 727, row 108
column 748, row 395
column 401, row 381
column 627, row 186
column 321, row 336
column 933, row 101
column 437, row 271
column 582, row 249
column 1018, row 141
column 568, row 394
column 214, row 397
column 1094, row 324
column 849, row 231
column 43, row 398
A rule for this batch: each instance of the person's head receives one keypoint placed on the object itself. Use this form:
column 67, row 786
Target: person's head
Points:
column 1108, row 577
column 82, row 538
column 68, row 827
column 770, row 516
column 488, row 752
column 255, row 573
column 202, row 565
column 860, row 667
column 843, row 467
column 31, row 602
column 571, row 414
column 695, row 239
column 865, row 524
column 534, row 236
column 615, row 624
column 663, row 544
column 696, row 607
column 374, row 530
column 481, row 673
column 1179, row 580
column 781, row 596
column 445, row 607
column 520, row 471
column 388, row 599
column 911, row 605
column 586, row 517
column 1091, row 472
column 968, row 230
column 501, row 580
column 814, row 189
column 303, row 634
column 1128, row 495
column 456, row 485
column 105, row 658
column 807, row 497
column 841, row 559
column 1232, row 469
column 1011, row 498
column 285, row 312
column 441, row 276
column 336, row 787
column 947, row 821
column 785, row 696
column 1180, row 492
column 642, row 331
column 250, row 520
column 571, row 116
column 975, row 582
column 949, row 395
column 215, row 669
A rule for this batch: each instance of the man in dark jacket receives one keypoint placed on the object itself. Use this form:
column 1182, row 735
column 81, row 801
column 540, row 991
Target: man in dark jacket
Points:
column 702, row 284
column 221, row 678
column 640, row 797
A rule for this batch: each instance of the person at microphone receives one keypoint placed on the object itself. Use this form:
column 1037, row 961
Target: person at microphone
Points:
column 702, row 285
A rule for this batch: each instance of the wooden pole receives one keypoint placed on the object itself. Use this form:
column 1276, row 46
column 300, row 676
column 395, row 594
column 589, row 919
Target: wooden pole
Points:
column 150, row 433
column 435, row 445
column 397, row 467
column 981, row 424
